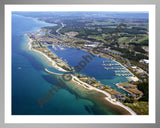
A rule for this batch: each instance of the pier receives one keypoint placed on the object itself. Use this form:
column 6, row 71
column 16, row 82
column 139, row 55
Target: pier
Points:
column 111, row 64
column 123, row 74
column 107, row 61
column 112, row 68
column 121, row 71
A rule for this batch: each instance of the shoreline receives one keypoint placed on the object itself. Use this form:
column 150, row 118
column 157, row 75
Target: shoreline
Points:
column 107, row 95
column 75, row 79
column 53, row 63
column 132, row 78
column 117, row 84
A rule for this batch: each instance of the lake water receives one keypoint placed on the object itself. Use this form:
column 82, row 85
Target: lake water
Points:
column 30, row 81
column 93, row 68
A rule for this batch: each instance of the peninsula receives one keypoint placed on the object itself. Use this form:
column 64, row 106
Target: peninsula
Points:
column 127, row 54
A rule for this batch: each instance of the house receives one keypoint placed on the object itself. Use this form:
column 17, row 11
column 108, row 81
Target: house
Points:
column 127, row 86
column 132, row 82
column 144, row 61
column 133, row 95
column 122, row 46
column 100, row 86
column 142, row 75
column 140, row 81
column 89, row 82
column 45, row 51
column 53, row 57
column 133, row 67
column 88, row 42
column 122, row 99
column 117, row 96
column 80, row 76
column 50, row 53
column 33, row 36
column 58, row 60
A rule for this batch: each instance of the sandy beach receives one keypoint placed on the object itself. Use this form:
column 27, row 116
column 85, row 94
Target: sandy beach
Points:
column 108, row 96
column 89, row 87
column 132, row 78
column 49, row 59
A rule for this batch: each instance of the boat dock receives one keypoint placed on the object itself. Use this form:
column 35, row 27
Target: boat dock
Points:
column 121, row 71
column 107, row 61
column 111, row 64
column 112, row 68
column 123, row 74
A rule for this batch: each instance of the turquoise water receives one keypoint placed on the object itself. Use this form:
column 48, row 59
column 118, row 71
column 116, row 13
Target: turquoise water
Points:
column 30, row 81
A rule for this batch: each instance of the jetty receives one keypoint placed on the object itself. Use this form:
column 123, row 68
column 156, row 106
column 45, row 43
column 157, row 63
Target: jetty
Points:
column 53, row 73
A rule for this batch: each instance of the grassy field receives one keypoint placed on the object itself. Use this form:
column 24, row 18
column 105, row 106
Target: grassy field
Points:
column 108, row 23
column 114, row 23
column 124, row 39
column 142, row 39
column 133, row 90
column 141, row 108
column 121, row 40
column 98, row 38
